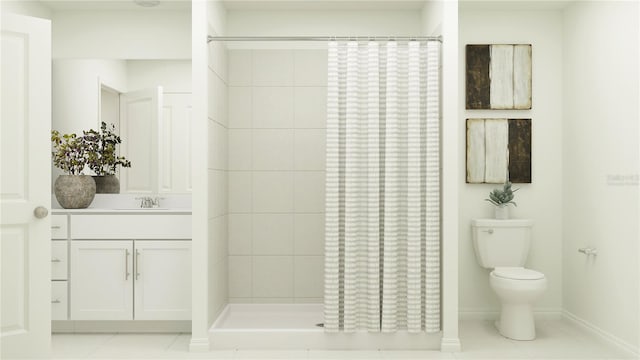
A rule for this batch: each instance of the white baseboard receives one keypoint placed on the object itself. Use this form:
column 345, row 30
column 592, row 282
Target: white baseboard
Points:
column 121, row 326
column 199, row 345
column 493, row 314
column 597, row 331
column 450, row 345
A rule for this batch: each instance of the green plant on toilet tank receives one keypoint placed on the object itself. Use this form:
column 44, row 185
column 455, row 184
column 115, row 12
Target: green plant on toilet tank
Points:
column 72, row 154
column 500, row 198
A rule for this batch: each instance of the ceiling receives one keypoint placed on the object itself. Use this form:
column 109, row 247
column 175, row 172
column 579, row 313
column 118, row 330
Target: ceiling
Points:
column 323, row 4
column 57, row 5
column 514, row 4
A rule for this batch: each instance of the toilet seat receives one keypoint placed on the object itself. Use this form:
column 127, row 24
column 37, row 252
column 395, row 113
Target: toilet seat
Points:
column 517, row 273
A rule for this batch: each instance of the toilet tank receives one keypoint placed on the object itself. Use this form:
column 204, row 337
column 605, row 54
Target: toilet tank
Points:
column 501, row 242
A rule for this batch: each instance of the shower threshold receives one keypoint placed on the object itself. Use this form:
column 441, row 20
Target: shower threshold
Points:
column 296, row 327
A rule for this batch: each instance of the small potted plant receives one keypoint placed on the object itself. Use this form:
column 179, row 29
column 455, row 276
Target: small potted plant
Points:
column 73, row 190
column 501, row 199
column 102, row 158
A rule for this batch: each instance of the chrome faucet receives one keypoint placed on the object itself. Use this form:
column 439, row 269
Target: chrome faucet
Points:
column 148, row 202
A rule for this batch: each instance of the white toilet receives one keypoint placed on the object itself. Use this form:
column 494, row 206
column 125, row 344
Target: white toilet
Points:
column 503, row 245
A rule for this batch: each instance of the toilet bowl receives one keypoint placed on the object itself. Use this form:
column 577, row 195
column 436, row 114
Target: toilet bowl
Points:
column 517, row 288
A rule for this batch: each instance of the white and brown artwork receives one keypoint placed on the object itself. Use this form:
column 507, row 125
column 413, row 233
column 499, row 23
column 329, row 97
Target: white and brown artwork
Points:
column 498, row 76
column 498, row 150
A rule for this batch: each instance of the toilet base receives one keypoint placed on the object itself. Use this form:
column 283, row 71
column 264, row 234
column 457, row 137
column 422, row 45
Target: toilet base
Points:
column 516, row 322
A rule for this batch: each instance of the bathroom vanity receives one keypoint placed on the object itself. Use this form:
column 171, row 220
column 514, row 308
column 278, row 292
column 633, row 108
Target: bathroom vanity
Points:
column 125, row 267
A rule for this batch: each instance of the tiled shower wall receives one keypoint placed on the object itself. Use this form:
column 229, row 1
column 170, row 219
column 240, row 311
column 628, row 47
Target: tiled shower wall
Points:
column 277, row 112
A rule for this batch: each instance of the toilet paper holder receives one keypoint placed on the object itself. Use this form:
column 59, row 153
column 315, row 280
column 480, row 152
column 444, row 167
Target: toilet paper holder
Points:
column 588, row 251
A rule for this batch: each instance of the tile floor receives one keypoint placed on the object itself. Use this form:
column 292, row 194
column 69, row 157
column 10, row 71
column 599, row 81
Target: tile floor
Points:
column 557, row 339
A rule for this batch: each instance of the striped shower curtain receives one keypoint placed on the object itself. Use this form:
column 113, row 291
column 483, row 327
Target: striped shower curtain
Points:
column 382, row 242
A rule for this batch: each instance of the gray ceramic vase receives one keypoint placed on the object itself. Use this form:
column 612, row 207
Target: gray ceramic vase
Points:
column 75, row 191
column 107, row 184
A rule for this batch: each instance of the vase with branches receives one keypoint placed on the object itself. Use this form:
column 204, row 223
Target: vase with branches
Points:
column 73, row 190
column 102, row 157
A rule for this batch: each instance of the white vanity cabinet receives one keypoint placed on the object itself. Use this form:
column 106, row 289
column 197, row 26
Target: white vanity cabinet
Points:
column 162, row 280
column 128, row 267
column 131, row 280
column 101, row 280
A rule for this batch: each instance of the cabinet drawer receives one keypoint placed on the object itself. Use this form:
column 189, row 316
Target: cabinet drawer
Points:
column 59, row 228
column 130, row 226
column 59, row 300
column 59, row 260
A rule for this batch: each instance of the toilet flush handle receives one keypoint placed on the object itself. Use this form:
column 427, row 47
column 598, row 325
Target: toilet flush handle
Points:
column 490, row 231
column 588, row 251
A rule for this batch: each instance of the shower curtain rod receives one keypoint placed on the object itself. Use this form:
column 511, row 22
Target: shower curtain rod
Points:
column 321, row 38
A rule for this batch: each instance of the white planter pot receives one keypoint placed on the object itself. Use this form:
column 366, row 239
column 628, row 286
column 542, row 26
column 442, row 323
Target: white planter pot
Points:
column 502, row 212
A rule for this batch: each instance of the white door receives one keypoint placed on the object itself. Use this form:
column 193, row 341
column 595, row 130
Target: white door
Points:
column 175, row 143
column 140, row 115
column 101, row 280
column 24, row 186
column 163, row 280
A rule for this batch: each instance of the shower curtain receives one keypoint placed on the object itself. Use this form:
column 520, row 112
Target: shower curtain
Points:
column 382, row 239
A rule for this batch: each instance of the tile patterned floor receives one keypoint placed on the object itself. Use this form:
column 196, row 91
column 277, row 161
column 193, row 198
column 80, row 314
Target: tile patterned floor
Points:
column 557, row 339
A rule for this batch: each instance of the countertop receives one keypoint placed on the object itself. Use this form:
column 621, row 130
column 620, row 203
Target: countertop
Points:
column 90, row 210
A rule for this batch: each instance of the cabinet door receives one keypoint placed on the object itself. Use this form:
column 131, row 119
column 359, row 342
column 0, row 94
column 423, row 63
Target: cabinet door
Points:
column 102, row 280
column 163, row 280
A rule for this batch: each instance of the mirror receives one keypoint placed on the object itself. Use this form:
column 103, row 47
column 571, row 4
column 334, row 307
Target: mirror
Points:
column 148, row 101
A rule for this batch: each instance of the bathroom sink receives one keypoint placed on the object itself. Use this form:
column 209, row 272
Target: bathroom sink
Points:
column 141, row 209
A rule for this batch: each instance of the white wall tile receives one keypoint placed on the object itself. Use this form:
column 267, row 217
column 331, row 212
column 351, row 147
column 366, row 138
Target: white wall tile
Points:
column 217, row 99
column 274, row 300
column 310, row 107
column 272, row 191
column 217, row 193
column 243, row 300
column 218, row 146
column 308, row 234
column 239, row 67
column 310, row 67
column 272, row 234
column 219, row 233
column 240, row 107
column 272, row 67
column 272, row 276
column 239, row 191
column 240, row 234
column 218, row 59
column 309, row 191
column 240, row 270
column 308, row 276
column 272, row 107
column 309, row 149
column 302, row 300
column 240, row 145
column 272, row 149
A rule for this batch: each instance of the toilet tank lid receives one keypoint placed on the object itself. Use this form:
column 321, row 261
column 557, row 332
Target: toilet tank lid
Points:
column 517, row 273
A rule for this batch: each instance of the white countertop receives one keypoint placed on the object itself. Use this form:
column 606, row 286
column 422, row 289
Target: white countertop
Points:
column 90, row 210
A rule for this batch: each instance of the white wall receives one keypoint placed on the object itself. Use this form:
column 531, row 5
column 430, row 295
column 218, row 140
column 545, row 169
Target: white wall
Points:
column 173, row 75
column 217, row 164
column 542, row 199
column 76, row 91
column 25, row 7
column 324, row 22
column 277, row 122
column 600, row 163
column 112, row 34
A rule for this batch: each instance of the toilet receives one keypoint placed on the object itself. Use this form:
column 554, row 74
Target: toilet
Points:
column 503, row 245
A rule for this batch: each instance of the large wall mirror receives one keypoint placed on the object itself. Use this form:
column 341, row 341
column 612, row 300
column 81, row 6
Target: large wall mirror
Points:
column 148, row 101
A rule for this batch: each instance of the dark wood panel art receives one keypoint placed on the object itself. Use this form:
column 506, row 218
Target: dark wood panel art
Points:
column 520, row 150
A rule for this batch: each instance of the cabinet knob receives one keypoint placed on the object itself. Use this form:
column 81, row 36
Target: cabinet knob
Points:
column 40, row 212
